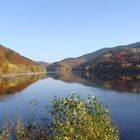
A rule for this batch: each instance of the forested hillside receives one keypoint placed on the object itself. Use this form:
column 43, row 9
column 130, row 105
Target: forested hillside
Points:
column 68, row 63
column 123, row 58
column 120, row 60
column 12, row 62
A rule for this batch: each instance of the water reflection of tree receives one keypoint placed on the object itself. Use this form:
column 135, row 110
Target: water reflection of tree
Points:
column 11, row 85
column 123, row 83
column 126, row 83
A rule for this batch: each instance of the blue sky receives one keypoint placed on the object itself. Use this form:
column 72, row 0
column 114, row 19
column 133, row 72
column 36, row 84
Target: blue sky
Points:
column 50, row 30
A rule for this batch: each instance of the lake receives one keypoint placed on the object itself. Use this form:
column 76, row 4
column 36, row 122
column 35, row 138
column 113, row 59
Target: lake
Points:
column 120, row 93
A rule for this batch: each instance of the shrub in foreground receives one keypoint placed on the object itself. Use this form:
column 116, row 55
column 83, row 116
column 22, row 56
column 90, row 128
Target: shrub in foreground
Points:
column 73, row 118
column 77, row 119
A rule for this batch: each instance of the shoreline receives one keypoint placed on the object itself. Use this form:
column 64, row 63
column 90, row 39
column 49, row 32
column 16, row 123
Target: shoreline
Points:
column 20, row 74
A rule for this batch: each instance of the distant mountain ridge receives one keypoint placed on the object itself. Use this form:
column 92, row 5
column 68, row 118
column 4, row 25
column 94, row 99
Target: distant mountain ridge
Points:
column 85, row 61
column 42, row 63
column 68, row 63
column 12, row 62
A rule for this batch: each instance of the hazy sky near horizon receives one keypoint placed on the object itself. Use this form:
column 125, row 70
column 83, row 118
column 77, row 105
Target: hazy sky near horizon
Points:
column 50, row 30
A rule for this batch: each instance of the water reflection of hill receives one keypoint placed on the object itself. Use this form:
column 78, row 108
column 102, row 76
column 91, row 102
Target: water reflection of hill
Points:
column 67, row 77
column 11, row 85
column 127, row 83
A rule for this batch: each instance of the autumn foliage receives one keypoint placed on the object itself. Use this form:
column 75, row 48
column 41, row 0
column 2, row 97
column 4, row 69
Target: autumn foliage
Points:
column 12, row 63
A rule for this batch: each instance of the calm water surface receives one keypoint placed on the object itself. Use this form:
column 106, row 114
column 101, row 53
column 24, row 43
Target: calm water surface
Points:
column 122, row 94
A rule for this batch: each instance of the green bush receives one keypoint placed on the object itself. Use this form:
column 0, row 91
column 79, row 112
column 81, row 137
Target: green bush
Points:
column 77, row 119
column 73, row 118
